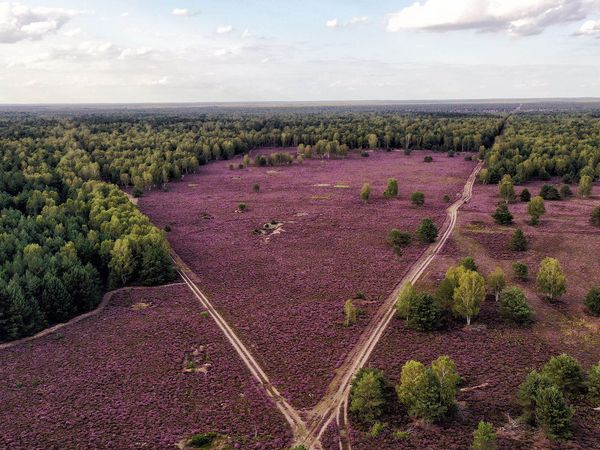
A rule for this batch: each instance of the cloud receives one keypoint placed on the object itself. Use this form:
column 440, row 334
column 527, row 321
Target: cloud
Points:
column 134, row 52
column 72, row 32
column 332, row 23
column 516, row 17
column 224, row 29
column 19, row 22
column 181, row 12
column 590, row 28
column 357, row 20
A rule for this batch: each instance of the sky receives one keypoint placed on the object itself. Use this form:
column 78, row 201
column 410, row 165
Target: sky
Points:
column 108, row 51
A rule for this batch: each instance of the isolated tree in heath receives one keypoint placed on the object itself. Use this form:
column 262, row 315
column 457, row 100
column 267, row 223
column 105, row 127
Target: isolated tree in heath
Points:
column 585, row 186
column 417, row 198
column 349, row 313
column 592, row 301
column 469, row 295
column 392, row 188
column 514, row 306
column 595, row 220
column 427, row 231
column 507, row 189
column 496, row 281
column 502, row 216
column 367, row 395
column 365, row 192
column 405, row 299
column 551, row 280
column 525, row 195
column 536, row 209
column 484, row 437
column 518, row 241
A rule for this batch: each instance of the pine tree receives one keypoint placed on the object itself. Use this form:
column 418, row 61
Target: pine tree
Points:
column 518, row 241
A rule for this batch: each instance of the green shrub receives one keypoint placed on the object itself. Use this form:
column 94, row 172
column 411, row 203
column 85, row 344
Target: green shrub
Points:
column 595, row 220
column 364, row 154
column 565, row 191
column 401, row 435
column 137, row 192
column 377, row 428
column 549, row 192
column 365, row 192
column 428, row 159
column 202, row 440
column 350, row 313
column 518, row 241
column 514, row 306
column 392, row 188
column 592, row 301
column 242, row 207
column 427, row 231
column 360, row 295
column 553, row 414
column 398, row 239
column 256, row 187
column 484, row 437
column 594, row 385
column 369, row 395
column 451, row 153
column 424, row 313
column 446, row 198
column 565, row 372
column 502, row 215
column 525, row 195
column 468, row 263
column 167, row 228
column 520, row 270
column 417, row 198
column 527, row 394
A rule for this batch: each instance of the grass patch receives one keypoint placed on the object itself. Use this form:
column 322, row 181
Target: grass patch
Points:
column 202, row 440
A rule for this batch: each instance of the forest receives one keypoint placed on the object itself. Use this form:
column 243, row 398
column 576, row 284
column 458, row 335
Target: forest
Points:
column 68, row 232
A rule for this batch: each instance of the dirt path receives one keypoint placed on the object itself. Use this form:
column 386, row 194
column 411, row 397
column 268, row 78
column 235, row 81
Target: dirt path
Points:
column 291, row 415
column 334, row 404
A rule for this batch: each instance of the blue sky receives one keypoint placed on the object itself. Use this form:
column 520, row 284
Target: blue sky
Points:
column 199, row 50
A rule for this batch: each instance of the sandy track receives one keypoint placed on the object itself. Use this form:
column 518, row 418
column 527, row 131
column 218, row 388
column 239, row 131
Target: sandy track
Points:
column 334, row 404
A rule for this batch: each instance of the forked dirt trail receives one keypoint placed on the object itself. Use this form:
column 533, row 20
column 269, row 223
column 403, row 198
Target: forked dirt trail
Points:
column 334, row 404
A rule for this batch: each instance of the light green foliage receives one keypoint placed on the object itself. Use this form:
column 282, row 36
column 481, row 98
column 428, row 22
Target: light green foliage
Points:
column 445, row 371
column 392, row 188
column 585, row 186
column 367, row 395
column 520, row 270
column 468, row 295
column 349, row 313
column 377, row 428
column 550, row 279
column 514, row 306
column 506, row 188
column 496, row 281
column 536, row 208
column 365, row 192
column 484, row 437
column 405, row 299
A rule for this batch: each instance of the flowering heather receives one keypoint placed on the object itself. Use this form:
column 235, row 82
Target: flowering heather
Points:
column 495, row 359
column 118, row 381
column 284, row 293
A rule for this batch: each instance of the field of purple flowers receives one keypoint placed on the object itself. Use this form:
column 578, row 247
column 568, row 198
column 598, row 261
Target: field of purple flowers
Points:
column 147, row 372
column 284, row 293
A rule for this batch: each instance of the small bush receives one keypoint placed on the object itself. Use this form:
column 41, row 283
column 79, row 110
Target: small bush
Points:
column 137, row 192
column 377, row 428
column 446, row 198
column 398, row 239
column 594, row 385
column 350, row 313
column 549, row 192
column 424, row 313
column 514, row 306
column 428, row 159
column 595, row 220
column 360, row 295
column 451, row 153
column 369, row 395
column 518, row 241
column 468, row 158
column 260, row 161
column 565, row 372
column 521, row 271
column 427, row 231
column 242, row 207
column 417, row 198
column 392, row 188
column 592, row 301
column 484, row 437
column 527, row 394
column 502, row 215
column 167, row 228
column 468, row 263
column 401, row 435
column 365, row 192
column 364, row 154
column 553, row 414
column 202, row 440
column 565, row 191
column 525, row 195
column 256, row 187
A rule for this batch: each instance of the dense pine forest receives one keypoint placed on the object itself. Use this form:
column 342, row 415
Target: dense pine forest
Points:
column 68, row 232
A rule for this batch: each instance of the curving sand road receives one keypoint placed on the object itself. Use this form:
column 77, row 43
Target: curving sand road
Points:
column 335, row 402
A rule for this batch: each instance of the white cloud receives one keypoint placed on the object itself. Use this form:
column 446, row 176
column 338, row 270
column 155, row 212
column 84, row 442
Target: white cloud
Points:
column 332, row 23
column 181, row 12
column 224, row 29
column 19, row 22
column 246, row 34
column 590, row 28
column 357, row 20
column 517, row 17
column 72, row 32
column 163, row 81
column 134, row 52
